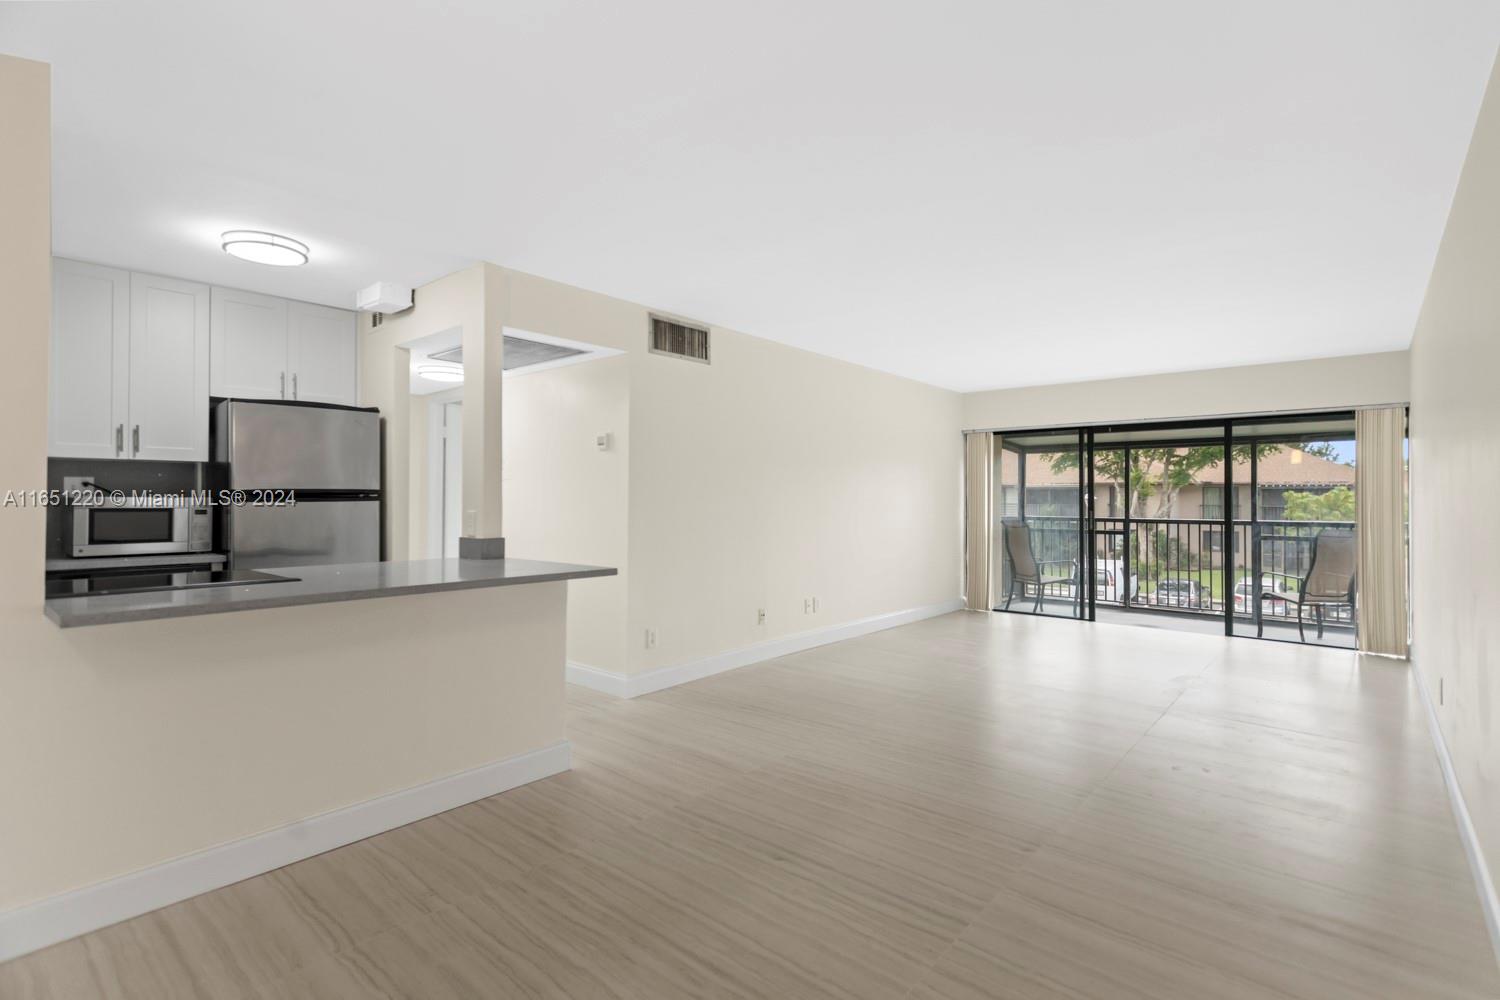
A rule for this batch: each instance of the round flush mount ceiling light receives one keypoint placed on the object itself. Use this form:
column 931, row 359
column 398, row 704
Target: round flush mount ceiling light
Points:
column 264, row 248
column 438, row 371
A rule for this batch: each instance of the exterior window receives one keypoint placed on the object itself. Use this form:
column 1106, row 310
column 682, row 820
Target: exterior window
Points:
column 1272, row 505
column 1008, row 506
column 1213, row 502
column 1051, row 501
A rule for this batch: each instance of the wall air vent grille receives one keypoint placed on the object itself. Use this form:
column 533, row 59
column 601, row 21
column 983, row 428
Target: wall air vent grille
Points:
column 679, row 340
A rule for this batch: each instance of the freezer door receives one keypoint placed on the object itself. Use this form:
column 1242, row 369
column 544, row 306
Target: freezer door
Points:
column 281, row 446
column 305, row 534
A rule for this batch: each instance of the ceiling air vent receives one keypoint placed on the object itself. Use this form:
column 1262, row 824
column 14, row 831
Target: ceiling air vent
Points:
column 678, row 339
column 517, row 353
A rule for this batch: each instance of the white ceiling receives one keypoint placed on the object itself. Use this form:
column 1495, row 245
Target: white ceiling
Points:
column 974, row 194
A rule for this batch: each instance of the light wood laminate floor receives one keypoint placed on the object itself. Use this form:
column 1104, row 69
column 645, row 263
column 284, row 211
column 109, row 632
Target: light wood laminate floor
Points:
column 972, row 806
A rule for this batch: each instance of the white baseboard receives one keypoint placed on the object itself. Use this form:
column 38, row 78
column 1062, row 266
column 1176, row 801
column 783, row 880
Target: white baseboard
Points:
column 1483, row 880
column 599, row 680
column 632, row 685
column 70, row 914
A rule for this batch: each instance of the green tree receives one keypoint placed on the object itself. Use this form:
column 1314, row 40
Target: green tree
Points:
column 1322, row 449
column 1335, row 505
column 1157, row 475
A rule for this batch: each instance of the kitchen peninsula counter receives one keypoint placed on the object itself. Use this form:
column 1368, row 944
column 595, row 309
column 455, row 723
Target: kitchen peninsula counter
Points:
column 315, row 585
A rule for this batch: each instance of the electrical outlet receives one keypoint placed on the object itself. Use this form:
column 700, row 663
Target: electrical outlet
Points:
column 815, row 605
column 760, row 616
column 807, row 605
column 651, row 638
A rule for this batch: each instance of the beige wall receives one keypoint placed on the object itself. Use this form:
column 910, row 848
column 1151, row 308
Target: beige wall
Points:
column 453, row 302
column 418, row 500
column 1455, row 474
column 775, row 475
column 128, row 745
column 567, row 500
column 1329, row 383
column 769, row 476
column 483, row 413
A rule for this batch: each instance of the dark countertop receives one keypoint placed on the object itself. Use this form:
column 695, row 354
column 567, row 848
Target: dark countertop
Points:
column 316, row 585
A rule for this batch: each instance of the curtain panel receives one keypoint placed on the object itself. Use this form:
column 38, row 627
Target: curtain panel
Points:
column 979, row 486
column 1380, row 498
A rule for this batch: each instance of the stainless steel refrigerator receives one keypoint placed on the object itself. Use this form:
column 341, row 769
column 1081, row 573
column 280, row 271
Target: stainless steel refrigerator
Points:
column 328, row 456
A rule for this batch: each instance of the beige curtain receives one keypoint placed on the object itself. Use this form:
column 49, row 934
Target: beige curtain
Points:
column 1380, row 495
column 979, row 480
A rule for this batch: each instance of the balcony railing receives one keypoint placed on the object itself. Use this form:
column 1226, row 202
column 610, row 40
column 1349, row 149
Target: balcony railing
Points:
column 1177, row 564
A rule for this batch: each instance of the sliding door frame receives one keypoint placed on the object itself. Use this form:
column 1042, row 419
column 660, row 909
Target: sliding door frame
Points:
column 1200, row 431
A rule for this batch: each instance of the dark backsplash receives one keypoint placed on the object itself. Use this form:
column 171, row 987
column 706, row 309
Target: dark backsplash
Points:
column 112, row 474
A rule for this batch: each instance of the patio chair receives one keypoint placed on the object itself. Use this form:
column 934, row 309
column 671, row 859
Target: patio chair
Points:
column 1025, row 571
column 1332, row 578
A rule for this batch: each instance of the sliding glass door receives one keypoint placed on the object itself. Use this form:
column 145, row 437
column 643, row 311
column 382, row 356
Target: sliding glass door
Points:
column 1296, row 511
column 1040, row 531
column 1235, row 527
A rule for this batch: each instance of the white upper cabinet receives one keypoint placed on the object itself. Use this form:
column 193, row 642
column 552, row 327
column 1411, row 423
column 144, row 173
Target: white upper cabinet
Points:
column 89, row 385
column 135, row 358
column 270, row 348
column 169, row 361
column 129, row 375
column 248, row 352
column 321, row 359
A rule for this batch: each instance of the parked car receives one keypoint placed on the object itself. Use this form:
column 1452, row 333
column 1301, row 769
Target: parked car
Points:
column 1244, row 598
column 1108, row 575
column 1179, row 594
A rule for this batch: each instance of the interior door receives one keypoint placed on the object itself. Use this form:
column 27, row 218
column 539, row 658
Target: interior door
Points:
column 321, row 357
column 168, row 369
column 88, row 402
column 249, row 355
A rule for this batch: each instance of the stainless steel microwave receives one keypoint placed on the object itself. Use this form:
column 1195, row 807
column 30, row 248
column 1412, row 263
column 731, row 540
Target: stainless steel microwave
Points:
column 129, row 527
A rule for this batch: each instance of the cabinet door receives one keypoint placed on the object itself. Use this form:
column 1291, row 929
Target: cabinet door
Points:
column 248, row 358
column 321, row 357
column 90, row 371
column 168, row 369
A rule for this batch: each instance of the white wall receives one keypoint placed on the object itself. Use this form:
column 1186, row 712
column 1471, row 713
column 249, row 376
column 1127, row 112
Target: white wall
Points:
column 566, row 500
column 1455, row 478
column 123, row 746
column 1325, row 384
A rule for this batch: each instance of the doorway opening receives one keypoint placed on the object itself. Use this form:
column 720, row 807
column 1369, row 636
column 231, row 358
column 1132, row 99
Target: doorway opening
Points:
column 445, row 476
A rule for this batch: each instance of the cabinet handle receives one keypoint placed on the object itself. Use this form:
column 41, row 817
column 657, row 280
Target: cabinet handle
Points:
column 294, row 385
column 135, row 440
column 119, row 438
column 283, row 385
